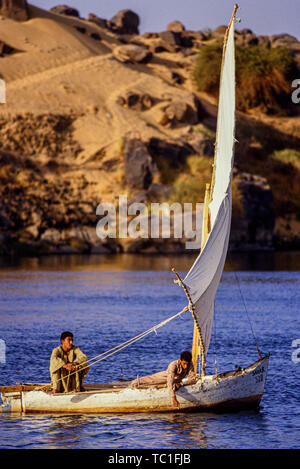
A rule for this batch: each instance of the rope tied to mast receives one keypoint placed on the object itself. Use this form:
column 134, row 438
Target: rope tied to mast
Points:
column 192, row 310
column 118, row 348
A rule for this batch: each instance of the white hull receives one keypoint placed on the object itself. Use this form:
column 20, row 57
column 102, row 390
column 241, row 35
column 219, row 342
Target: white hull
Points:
column 229, row 390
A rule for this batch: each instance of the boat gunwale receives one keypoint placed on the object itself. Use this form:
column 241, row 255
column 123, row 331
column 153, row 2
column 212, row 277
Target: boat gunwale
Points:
column 4, row 390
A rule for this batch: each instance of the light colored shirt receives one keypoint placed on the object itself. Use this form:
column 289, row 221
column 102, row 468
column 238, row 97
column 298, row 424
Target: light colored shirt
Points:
column 176, row 373
column 62, row 379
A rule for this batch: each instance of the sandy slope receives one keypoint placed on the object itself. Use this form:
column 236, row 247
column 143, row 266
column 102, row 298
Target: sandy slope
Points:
column 46, row 42
column 61, row 70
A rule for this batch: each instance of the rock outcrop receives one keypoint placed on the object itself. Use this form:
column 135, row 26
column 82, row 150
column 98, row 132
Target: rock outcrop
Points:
column 139, row 165
column 131, row 53
column 257, row 225
column 136, row 100
column 125, row 22
column 133, row 129
column 98, row 21
column 65, row 10
column 172, row 151
column 201, row 144
column 181, row 110
column 29, row 134
column 176, row 26
column 15, row 9
column 5, row 49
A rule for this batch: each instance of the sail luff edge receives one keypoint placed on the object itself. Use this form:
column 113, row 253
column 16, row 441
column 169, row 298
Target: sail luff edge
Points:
column 221, row 74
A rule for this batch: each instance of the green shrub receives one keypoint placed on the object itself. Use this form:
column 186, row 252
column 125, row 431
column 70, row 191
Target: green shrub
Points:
column 263, row 76
column 190, row 183
column 288, row 155
column 188, row 189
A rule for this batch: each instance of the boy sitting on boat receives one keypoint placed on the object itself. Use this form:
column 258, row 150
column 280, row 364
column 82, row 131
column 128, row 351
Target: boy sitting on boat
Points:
column 68, row 366
column 176, row 371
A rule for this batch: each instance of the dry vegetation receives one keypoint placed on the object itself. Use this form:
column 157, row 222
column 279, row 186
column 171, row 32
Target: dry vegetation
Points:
column 263, row 76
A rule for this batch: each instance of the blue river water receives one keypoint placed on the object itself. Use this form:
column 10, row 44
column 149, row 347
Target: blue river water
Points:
column 107, row 300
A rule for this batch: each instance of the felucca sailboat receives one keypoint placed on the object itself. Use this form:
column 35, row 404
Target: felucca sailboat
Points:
column 237, row 389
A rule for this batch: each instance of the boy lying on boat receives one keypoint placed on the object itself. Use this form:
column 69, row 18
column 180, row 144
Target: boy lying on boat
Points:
column 176, row 371
column 66, row 365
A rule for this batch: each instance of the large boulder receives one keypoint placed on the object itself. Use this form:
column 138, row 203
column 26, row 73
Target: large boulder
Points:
column 181, row 110
column 176, row 27
column 65, row 10
column 264, row 41
column 173, row 152
column 98, row 21
column 5, row 49
column 139, row 166
column 131, row 53
column 220, row 30
column 201, row 144
column 246, row 38
column 14, row 9
column 245, row 31
column 171, row 38
column 288, row 41
column 158, row 45
column 256, row 227
column 187, row 39
column 125, row 22
column 136, row 100
column 285, row 40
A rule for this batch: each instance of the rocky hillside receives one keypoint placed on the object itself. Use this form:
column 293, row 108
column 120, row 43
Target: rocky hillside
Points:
column 95, row 110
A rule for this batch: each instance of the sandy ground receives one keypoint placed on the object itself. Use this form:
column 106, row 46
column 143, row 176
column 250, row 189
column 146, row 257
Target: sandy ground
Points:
column 60, row 70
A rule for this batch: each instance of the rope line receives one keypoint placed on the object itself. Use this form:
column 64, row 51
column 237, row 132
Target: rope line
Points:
column 215, row 341
column 118, row 348
column 243, row 299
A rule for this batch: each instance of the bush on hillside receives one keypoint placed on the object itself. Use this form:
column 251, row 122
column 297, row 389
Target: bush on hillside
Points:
column 263, row 76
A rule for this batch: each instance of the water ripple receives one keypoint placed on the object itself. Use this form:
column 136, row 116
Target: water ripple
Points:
column 105, row 308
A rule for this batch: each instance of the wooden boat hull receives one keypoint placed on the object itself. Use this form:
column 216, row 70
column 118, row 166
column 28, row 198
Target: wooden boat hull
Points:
column 232, row 390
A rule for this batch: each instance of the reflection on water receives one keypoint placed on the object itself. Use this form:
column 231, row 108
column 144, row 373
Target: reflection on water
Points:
column 167, row 430
column 254, row 261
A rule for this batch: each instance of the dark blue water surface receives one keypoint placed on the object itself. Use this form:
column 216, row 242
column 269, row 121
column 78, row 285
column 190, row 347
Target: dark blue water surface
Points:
column 107, row 300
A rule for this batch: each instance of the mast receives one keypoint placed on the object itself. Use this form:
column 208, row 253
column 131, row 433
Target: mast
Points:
column 198, row 347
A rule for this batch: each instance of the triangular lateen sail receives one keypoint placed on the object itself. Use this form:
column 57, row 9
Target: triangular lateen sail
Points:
column 203, row 278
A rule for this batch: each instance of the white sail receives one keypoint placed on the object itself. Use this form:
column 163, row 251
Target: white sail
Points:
column 204, row 276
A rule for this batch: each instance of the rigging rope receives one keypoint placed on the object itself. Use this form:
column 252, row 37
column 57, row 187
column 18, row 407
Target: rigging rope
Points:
column 215, row 341
column 243, row 299
column 112, row 351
